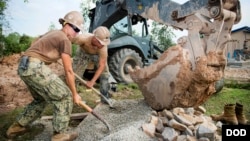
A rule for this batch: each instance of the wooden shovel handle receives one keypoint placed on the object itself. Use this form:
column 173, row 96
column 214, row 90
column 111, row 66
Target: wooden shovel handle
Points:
column 85, row 106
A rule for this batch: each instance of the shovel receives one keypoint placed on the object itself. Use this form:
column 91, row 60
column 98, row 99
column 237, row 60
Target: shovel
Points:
column 89, row 109
column 99, row 93
column 96, row 91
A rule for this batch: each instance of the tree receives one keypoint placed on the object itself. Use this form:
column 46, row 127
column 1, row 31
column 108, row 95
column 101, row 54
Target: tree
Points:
column 52, row 26
column 3, row 21
column 162, row 35
column 85, row 6
column 12, row 44
column 25, row 42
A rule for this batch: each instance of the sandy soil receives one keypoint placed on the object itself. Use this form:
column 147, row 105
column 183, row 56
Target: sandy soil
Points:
column 14, row 93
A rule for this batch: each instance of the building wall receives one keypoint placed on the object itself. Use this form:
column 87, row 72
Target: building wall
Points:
column 238, row 39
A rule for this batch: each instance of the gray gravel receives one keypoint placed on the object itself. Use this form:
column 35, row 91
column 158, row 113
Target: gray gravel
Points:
column 125, row 122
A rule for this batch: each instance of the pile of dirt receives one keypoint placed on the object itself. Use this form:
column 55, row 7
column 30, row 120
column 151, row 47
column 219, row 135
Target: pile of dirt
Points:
column 13, row 91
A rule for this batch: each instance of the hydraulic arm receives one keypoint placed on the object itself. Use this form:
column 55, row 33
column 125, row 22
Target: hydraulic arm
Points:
column 185, row 75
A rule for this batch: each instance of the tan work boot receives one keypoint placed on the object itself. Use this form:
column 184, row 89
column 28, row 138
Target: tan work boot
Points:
column 64, row 137
column 240, row 114
column 15, row 129
column 228, row 116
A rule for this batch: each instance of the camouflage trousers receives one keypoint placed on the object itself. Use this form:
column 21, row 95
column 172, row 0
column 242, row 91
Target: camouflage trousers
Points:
column 83, row 61
column 46, row 88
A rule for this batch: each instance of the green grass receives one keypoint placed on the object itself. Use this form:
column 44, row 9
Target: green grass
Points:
column 236, row 84
column 130, row 91
column 214, row 105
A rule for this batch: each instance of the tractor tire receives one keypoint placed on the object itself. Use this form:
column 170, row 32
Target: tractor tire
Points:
column 119, row 62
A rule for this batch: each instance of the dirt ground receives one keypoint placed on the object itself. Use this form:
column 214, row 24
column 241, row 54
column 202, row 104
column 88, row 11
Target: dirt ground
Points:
column 14, row 93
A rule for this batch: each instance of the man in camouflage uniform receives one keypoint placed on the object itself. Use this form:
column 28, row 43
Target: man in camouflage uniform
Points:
column 92, row 55
column 44, row 85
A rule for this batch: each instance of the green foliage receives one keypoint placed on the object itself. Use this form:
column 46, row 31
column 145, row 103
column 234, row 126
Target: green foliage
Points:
column 3, row 7
column 86, row 6
column 4, row 24
column 127, row 91
column 162, row 35
column 11, row 44
column 121, row 87
column 52, row 26
column 236, row 84
column 74, row 48
column 24, row 42
column 14, row 43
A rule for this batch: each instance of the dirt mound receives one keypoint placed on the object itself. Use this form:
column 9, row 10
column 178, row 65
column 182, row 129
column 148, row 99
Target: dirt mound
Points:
column 13, row 91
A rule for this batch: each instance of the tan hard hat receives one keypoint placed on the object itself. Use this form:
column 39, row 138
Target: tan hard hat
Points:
column 75, row 18
column 102, row 34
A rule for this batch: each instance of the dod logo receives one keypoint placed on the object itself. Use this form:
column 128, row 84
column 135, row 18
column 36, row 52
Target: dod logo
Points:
column 236, row 132
column 240, row 132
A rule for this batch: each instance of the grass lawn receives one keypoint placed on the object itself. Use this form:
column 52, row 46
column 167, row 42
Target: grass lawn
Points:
column 215, row 104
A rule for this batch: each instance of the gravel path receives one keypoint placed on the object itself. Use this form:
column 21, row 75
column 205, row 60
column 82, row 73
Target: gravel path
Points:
column 125, row 122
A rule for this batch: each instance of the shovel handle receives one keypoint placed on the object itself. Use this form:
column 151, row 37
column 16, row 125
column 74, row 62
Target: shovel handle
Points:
column 99, row 93
column 85, row 106
column 85, row 82
column 96, row 91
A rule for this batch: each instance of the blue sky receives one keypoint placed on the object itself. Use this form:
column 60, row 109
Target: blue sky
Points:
column 35, row 17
